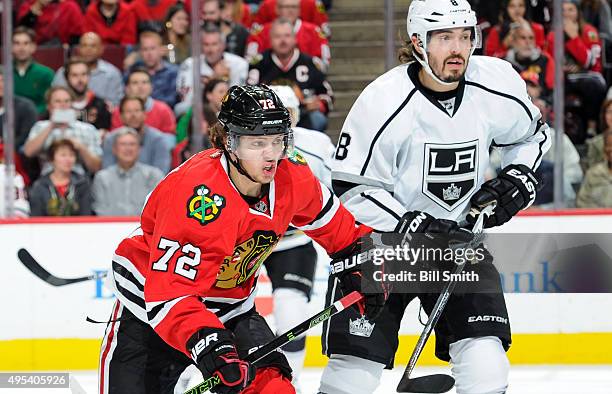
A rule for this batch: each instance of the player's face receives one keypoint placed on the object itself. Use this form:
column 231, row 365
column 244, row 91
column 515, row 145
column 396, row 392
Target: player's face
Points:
column 516, row 9
column 78, row 78
column 448, row 52
column 259, row 155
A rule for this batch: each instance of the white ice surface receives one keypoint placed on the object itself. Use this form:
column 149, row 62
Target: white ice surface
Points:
column 523, row 380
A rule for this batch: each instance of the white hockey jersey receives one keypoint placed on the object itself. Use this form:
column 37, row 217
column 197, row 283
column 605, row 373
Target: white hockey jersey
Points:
column 403, row 148
column 318, row 150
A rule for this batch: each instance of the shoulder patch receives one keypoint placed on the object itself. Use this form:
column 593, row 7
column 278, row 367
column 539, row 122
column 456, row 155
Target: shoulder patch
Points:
column 296, row 158
column 204, row 206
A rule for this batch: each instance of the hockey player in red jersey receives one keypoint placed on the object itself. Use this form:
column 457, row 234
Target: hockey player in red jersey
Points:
column 185, row 280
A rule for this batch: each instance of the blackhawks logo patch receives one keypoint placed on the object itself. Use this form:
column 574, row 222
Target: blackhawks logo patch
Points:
column 204, row 206
column 296, row 158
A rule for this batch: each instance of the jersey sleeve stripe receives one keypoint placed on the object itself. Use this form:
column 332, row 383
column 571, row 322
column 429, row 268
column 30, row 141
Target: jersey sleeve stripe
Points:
column 127, row 276
column 381, row 206
column 328, row 205
column 522, row 104
column 361, row 180
column 159, row 312
column 133, row 298
column 127, row 264
column 326, row 218
column 540, row 150
column 384, row 126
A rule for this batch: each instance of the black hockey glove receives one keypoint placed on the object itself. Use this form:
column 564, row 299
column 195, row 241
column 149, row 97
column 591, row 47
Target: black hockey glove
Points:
column 214, row 353
column 437, row 233
column 347, row 265
column 514, row 189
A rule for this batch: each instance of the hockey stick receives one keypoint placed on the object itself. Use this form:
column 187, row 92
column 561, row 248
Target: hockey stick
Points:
column 285, row 338
column 31, row 264
column 438, row 383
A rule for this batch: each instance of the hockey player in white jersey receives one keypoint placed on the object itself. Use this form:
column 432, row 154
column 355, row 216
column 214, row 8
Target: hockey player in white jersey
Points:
column 292, row 265
column 412, row 157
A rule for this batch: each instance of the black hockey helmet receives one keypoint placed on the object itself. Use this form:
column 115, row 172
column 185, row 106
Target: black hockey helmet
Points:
column 254, row 110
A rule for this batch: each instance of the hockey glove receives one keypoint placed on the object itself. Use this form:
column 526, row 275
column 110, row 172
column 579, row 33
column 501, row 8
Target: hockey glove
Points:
column 347, row 265
column 514, row 189
column 437, row 233
column 214, row 353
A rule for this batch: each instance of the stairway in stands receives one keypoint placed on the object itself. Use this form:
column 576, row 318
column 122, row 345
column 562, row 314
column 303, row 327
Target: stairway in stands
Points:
column 358, row 50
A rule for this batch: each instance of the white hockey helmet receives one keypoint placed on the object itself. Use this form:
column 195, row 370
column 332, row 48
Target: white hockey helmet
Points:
column 290, row 99
column 425, row 16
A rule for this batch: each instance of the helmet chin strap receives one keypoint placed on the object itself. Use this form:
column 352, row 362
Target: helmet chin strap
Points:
column 237, row 165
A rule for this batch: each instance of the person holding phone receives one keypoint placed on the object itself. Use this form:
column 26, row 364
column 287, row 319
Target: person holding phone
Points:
column 62, row 124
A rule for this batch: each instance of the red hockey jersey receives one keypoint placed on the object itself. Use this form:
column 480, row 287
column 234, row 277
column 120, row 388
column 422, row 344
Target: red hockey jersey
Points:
column 312, row 11
column 310, row 40
column 584, row 50
column 195, row 260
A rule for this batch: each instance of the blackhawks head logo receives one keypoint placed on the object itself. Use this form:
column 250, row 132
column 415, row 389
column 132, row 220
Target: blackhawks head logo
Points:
column 204, row 206
column 296, row 158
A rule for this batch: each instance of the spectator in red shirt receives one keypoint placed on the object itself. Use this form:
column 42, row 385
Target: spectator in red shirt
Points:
column 151, row 10
column 500, row 37
column 113, row 20
column 310, row 39
column 582, row 63
column 158, row 114
column 312, row 11
column 53, row 21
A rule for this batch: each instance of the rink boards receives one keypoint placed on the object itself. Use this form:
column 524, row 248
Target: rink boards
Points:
column 44, row 327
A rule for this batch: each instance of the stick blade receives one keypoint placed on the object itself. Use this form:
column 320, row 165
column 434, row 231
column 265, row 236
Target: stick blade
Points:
column 438, row 383
column 31, row 264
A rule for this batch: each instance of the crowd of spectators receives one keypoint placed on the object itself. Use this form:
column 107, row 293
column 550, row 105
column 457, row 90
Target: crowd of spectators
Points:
column 97, row 129
column 520, row 31
column 106, row 110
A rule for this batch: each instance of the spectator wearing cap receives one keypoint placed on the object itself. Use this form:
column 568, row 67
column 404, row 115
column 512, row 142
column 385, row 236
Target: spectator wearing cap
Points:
column 113, row 20
column 595, row 145
column 311, row 11
column 214, row 63
column 514, row 12
column 158, row 114
column 309, row 37
column 105, row 80
column 531, row 61
column 163, row 74
column 55, row 22
column 176, row 35
column 235, row 34
column 62, row 192
column 31, row 79
column 89, row 107
column 582, row 63
column 62, row 124
column 121, row 189
column 596, row 190
column 155, row 146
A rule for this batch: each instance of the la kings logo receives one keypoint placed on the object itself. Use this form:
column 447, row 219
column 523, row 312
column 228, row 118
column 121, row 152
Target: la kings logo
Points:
column 450, row 172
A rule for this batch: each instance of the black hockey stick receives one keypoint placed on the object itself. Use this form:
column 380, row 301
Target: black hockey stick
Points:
column 285, row 338
column 438, row 383
column 31, row 264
